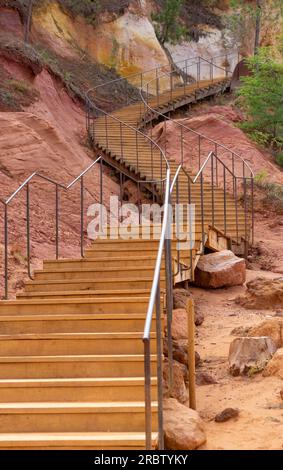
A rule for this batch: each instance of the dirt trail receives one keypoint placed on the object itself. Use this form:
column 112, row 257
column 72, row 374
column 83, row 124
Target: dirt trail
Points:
column 260, row 422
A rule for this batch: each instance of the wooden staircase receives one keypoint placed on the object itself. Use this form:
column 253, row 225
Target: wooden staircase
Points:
column 71, row 351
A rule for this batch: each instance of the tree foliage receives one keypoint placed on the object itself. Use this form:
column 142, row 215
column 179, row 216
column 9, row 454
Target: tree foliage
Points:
column 262, row 95
column 168, row 26
column 257, row 12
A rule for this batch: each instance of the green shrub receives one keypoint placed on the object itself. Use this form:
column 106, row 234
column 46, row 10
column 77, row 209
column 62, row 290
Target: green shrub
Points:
column 279, row 158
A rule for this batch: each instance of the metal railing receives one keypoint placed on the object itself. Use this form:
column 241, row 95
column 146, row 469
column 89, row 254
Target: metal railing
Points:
column 154, row 304
column 58, row 187
column 211, row 169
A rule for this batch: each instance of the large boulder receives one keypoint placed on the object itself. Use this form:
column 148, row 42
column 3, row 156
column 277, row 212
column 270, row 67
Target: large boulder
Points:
column 265, row 294
column 275, row 366
column 272, row 328
column 222, row 269
column 250, row 355
column 183, row 427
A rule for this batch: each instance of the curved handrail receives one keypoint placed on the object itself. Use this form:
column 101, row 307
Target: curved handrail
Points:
column 198, row 134
column 138, row 74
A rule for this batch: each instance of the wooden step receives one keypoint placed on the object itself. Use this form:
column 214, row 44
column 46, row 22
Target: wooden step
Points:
column 74, row 417
column 92, row 273
column 48, row 344
column 30, row 367
column 75, row 441
column 72, row 323
column 84, row 305
column 83, row 284
column 73, row 390
column 84, row 293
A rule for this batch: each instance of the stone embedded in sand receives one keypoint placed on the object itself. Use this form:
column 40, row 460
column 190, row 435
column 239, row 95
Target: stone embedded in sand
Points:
column 226, row 414
column 272, row 328
column 180, row 324
column 203, row 378
column 250, row 354
column 275, row 366
column 180, row 352
column 181, row 301
column 265, row 294
column 179, row 390
column 180, row 298
column 183, row 427
column 281, row 393
column 221, row 269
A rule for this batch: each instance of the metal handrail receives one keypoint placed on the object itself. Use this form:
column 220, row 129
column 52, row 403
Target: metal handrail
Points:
column 200, row 136
column 154, row 302
column 138, row 74
column 58, row 186
column 50, row 180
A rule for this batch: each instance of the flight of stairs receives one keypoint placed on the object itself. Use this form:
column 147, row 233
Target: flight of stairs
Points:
column 71, row 350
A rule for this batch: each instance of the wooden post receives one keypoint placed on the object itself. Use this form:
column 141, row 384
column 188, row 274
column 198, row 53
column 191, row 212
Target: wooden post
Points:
column 191, row 354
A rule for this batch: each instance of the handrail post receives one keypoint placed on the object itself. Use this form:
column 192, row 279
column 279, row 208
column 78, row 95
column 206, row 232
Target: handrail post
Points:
column 236, row 209
column 57, row 220
column 106, row 130
column 82, row 215
column 159, row 368
column 137, row 152
column 202, row 210
column 246, row 215
column 252, row 208
column 182, row 146
column 28, row 228
column 212, row 192
column 121, row 142
column 6, row 241
column 147, row 387
column 225, row 200
column 169, row 305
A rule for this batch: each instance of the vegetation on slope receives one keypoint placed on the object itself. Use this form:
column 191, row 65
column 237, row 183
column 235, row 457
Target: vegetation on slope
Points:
column 78, row 76
column 176, row 20
column 262, row 97
column 15, row 95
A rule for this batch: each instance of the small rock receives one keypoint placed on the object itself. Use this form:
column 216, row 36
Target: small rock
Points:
column 226, row 414
column 203, row 378
column 281, row 393
column 179, row 324
column 278, row 313
column 20, row 284
column 222, row 269
column 183, row 427
column 180, row 301
column 180, row 298
column 179, row 390
column 241, row 331
column 275, row 366
column 180, row 352
column 199, row 316
column 272, row 328
column 250, row 355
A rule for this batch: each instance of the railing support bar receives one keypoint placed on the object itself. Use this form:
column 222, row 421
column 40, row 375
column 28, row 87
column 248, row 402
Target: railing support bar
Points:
column 159, row 368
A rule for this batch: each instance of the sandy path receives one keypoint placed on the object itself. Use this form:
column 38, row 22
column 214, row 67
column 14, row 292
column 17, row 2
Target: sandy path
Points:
column 260, row 423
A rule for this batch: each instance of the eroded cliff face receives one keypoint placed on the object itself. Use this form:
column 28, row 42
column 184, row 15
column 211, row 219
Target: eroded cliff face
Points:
column 127, row 43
